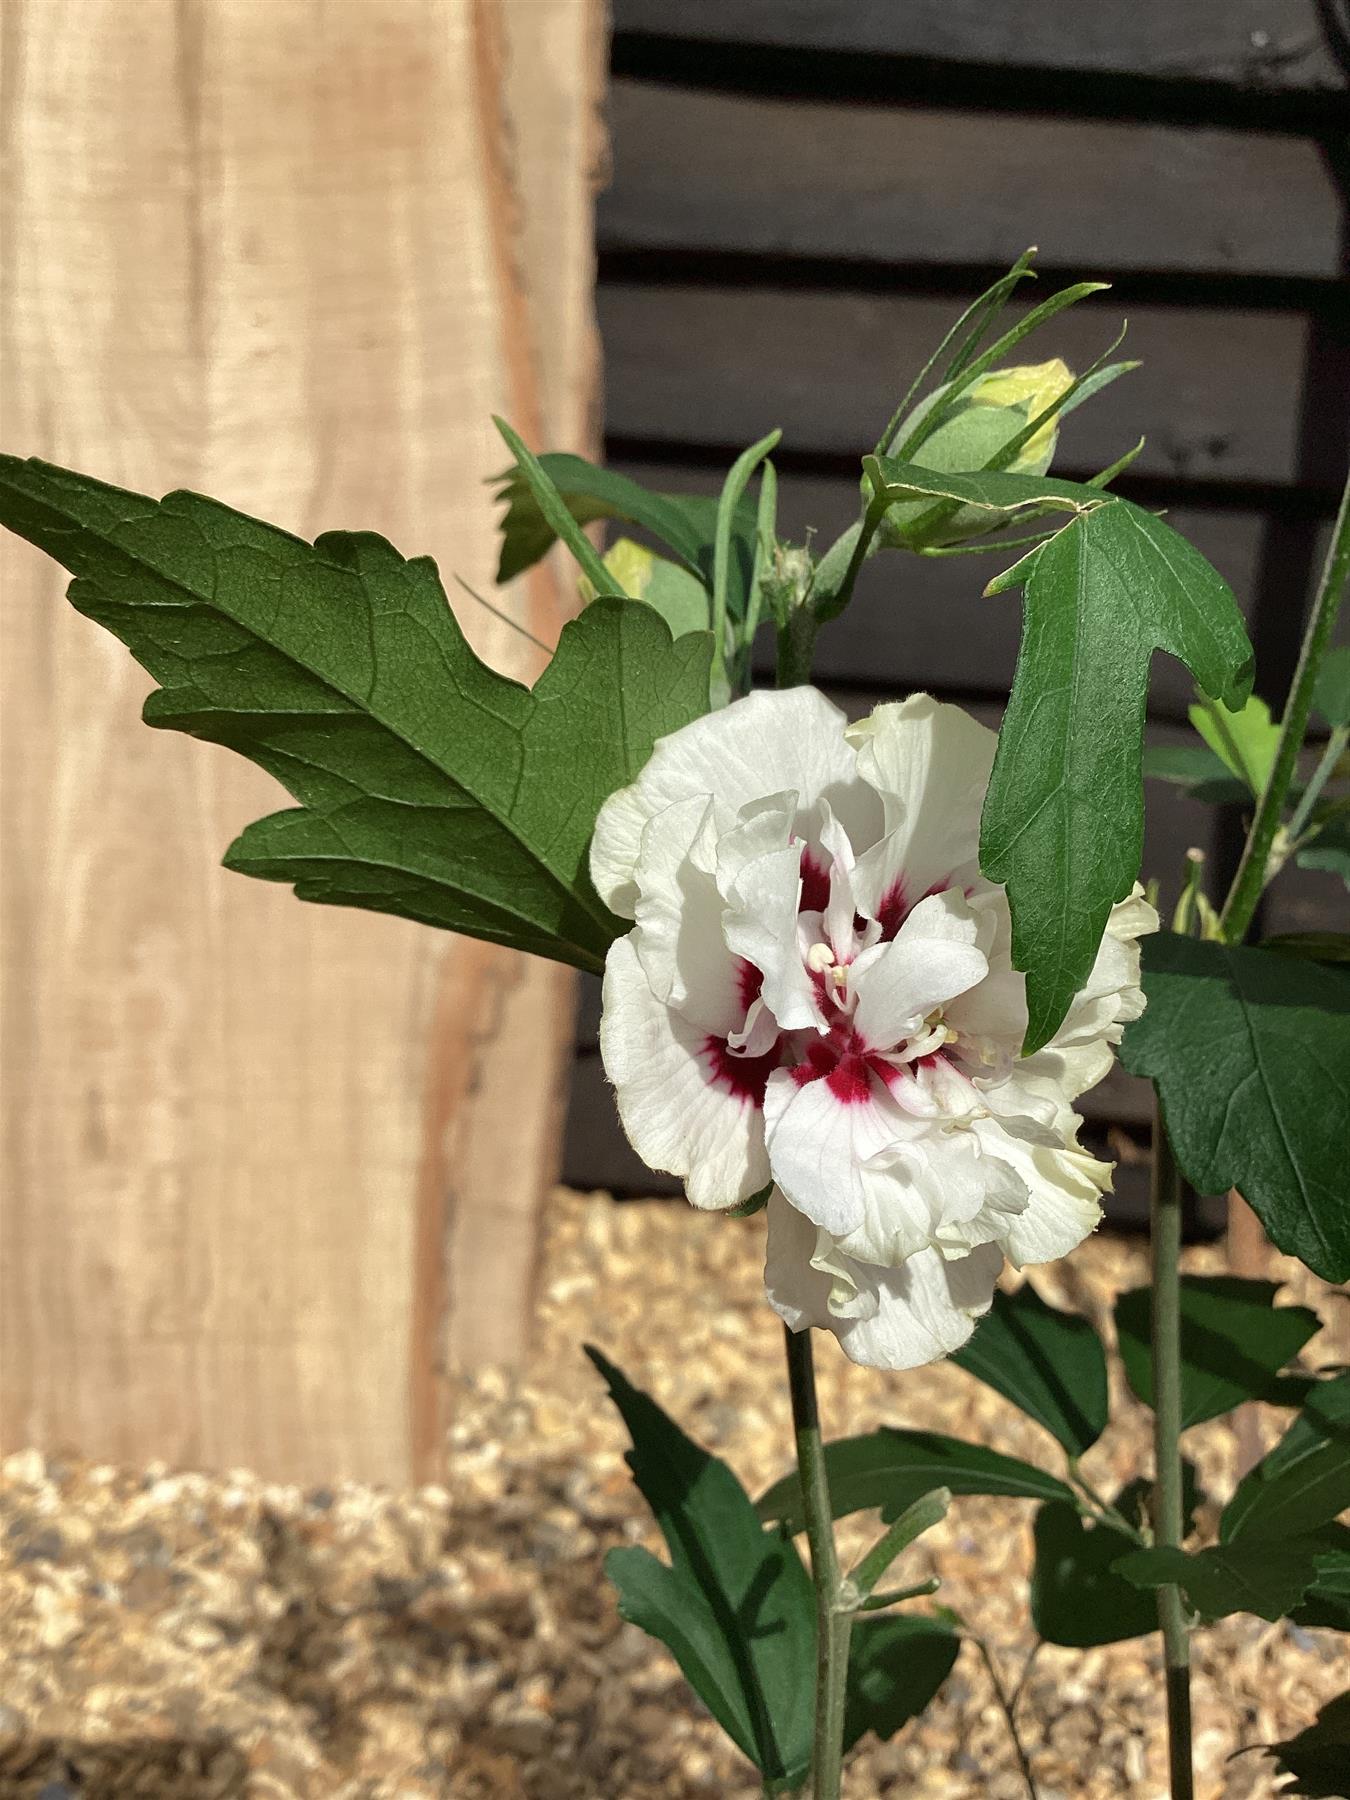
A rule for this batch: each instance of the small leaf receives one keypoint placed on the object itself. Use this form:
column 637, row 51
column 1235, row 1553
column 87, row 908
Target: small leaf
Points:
column 1329, row 851
column 556, row 515
column 1049, row 1363
column 1250, row 1052
column 1063, row 817
column 1331, row 696
column 1196, row 768
column 736, row 1607
column 992, row 491
column 893, row 1469
column 685, row 523
column 429, row 785
column 1234, row 1342
column 1304, row 1482
column 679, row 597
column 895, row 1667
column 1244, row 741
column 1075, row 1598
column 1257, row 1577
column 1317, row 1761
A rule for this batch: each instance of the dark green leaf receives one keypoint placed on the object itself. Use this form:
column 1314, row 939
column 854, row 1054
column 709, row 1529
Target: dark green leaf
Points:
column 1135, row 1500
column 1315, row 946
column 1326, row 1605
column 992, row 491
column 1049, row 1363
column 892, row 1469
column 736, row 1607
column 1304, row 1482
column 1234, row 1342
column 1252, row 1576
column 684, row 523
column 429, row 785
column 1329, row 851
column 1250, row 1052
column 553, row 508
column 895, row 1666
column 1317, row 1761
column 1196, row 768
column 1063, row 818
column 1075, row 1599
column 1331, row 696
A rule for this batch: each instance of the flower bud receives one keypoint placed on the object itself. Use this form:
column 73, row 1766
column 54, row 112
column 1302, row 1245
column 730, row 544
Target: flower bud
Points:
column 990, row 412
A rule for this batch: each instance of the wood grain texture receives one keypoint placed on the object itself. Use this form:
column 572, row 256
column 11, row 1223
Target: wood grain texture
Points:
column 1219, row 396
column 1266, row 45
column 256, row 247
column 702, row 170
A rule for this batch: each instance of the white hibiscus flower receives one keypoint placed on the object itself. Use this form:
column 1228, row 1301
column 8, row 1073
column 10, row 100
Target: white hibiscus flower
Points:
column 817, row 994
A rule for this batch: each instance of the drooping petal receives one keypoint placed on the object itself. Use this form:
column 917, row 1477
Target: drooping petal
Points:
column 769, row 742
column 930, row 763
column 687, row 1105
column 915, row 1314
column 934, row 958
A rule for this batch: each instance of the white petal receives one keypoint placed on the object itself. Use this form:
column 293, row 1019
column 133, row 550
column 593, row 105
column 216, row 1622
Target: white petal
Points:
column 934, row 958
column 819, row 1148
column 1064, row 1186
column 760, row 924
column 937, row 1190
column 678, row 938
column 768, row 742
column 930, row 763
column 677, row 1116
column 1079, row 1054
column 922, row 1311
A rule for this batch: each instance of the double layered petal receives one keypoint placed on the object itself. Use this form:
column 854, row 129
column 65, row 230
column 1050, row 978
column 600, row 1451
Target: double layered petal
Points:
column 818, row 995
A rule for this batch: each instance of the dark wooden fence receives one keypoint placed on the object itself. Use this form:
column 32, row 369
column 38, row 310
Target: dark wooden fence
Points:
column 804, row 193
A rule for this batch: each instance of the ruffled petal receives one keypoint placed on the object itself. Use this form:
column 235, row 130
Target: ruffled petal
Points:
column 930, row 763
column 764, row 744
column 678, row 1092
column 1064, row 1187
column 934, row 958
column 761, row 925
column 678, row 936
column 912, row 1315
column 820, row 1147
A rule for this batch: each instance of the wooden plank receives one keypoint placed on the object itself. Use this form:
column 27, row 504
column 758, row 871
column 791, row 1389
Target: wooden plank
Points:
column 267, row 248
column 1219, row 396
column 921, row 622
column 1263, row 45
column 699, row 170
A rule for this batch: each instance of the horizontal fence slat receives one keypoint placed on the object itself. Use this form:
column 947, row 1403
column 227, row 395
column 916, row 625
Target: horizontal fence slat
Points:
column 921, row 622
column 709, row 171
column 1219, row 396
column 1273, row 45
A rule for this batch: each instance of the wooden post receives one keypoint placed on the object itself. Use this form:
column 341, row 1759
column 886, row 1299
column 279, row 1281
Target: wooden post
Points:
column 257, row 1183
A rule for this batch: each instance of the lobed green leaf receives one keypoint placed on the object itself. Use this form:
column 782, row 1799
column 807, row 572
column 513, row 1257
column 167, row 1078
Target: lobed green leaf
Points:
column 1049, row 1363
column 429, row 785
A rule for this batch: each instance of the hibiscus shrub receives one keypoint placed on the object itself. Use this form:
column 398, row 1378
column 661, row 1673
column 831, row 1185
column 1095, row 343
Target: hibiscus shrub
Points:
column 856, row 974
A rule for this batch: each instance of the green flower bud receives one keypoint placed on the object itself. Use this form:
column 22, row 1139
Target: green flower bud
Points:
column 981, row 421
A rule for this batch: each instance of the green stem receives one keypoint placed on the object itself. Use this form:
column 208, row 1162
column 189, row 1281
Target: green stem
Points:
column 1250, row 880
column 834, row 1623
column 1331, row 755
column 1169, row 1503
column 796, row 647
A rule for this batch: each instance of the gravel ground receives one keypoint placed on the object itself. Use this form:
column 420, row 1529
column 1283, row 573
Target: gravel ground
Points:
column 175, row 1635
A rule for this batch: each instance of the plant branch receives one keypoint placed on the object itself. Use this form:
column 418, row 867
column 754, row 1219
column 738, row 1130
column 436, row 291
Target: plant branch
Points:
column 834, row 1623
column 1169, row 1500
column 1331, row 755
column 1250, row 881
column 1008, row 1705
